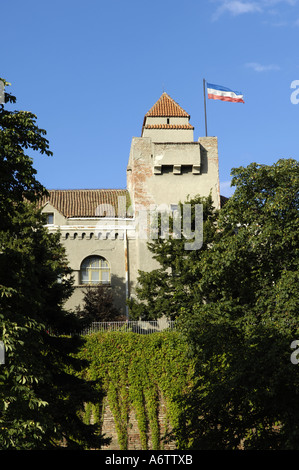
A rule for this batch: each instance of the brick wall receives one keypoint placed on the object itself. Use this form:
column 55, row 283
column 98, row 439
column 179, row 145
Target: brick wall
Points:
column 133, row 435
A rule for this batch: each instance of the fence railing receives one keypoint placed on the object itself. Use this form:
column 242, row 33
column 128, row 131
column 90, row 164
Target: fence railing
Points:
column 141, row 327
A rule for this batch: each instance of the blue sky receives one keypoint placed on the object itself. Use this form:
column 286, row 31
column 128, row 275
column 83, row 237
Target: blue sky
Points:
column 91, row 70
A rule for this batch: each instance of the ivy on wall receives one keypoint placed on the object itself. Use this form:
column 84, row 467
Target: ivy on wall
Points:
column 135, row 371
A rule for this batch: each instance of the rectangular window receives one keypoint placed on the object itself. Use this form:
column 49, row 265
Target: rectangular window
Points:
column 50, row 218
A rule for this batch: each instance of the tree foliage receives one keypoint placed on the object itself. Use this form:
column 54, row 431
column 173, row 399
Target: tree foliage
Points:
column 247, row 394
column 164, row 291
column 237, row 301
column 41, row 394
column 98, row 306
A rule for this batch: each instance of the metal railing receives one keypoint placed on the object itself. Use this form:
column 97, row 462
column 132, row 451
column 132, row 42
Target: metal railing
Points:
column 141, row 327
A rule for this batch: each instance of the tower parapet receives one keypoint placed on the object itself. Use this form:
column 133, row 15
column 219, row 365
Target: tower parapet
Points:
column 165, row 164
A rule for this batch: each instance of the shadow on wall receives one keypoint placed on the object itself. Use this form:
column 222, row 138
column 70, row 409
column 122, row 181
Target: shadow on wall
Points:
column 111, row 296
column 118, row 287
column 204, row 159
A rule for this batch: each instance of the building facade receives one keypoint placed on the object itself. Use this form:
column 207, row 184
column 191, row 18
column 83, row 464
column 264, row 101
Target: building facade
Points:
column 105, row 231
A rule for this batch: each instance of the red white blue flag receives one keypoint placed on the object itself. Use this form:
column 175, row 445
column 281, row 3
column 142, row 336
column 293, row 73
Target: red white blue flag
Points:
column 217, row 92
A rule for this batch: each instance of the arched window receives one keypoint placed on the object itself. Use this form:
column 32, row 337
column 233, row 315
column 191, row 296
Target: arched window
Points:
column 95, row 270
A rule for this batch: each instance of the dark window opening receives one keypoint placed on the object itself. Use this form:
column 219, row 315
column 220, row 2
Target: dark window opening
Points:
column 50, row 218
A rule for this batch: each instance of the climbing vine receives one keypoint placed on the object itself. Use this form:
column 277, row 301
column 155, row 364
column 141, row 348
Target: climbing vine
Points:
column 136, row 372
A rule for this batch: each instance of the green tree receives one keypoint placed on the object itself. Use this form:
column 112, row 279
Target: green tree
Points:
column 247, row 390
column 168, row 289
column 98, row 306
column 41, row 392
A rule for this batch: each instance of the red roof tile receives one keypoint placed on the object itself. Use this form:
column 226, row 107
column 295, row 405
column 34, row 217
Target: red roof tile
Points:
column 166, row 107
column 84, row 202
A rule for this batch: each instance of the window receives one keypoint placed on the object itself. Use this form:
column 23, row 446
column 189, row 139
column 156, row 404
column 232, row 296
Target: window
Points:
column 50, row 218
column 95, row 270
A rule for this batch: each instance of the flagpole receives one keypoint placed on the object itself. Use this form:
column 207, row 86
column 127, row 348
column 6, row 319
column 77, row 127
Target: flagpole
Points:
column 204, row 94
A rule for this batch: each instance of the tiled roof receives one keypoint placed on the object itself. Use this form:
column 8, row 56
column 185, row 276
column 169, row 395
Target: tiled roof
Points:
column 85, row 202
column 166, row 107
column 169, row 126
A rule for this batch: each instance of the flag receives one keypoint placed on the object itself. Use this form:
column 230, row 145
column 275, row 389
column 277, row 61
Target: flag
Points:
column 217, row 92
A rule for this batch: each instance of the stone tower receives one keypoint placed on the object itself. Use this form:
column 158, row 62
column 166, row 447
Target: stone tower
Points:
column 166, row 164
